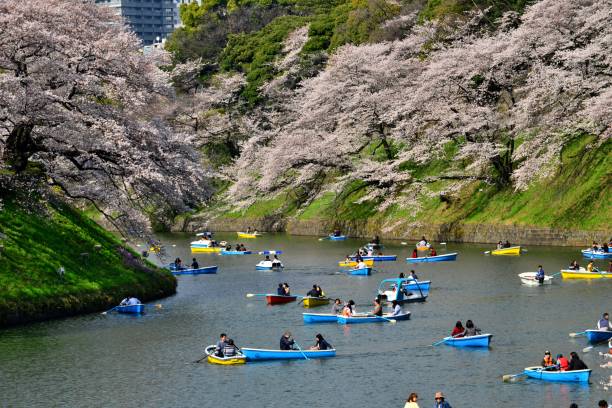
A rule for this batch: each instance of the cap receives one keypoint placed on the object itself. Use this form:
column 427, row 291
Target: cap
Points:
column 547, row 352
column 439, row 395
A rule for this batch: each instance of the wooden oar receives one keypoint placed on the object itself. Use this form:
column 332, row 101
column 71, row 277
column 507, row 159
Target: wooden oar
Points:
column 487, row 252
column 250, row 295
column 577, row 334
column 299, row 348
column 110, row 310
column 324, row 238
column 437, row 343
column 510, row 377
column 589, row 348
column 392, row 321
column 555, row 274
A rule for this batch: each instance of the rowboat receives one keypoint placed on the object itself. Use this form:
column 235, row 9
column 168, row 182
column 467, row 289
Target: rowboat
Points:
column 481, row 340
column 597, row 336
column 361, row 271
column 583, row 274
column 515, row 250
column 253, row 354
column 337, row 237
column 411, row 290
column 315, row 301
column 356, row 319
column 319, row 318
column 589, row 253
column 279, row 299
column 529, row 279
column 268, row 266
column 378, row 258
column 130, row 309
column 270, row 252
column 368, row 262
column 214, row 359
column 225, row 252
column 557, row 376
column 204, row 246
column 437, row 258
column 248, row 235
column 198, row 271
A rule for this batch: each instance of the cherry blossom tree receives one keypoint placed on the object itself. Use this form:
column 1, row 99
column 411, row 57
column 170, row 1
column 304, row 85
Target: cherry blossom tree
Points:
column 79, row 99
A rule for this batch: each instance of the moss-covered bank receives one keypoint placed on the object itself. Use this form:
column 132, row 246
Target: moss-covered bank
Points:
column 40, row 237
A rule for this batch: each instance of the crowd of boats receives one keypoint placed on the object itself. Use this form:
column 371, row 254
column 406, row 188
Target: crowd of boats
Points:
column 395, row 292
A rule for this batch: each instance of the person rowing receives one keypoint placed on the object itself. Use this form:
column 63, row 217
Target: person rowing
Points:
column 194, row 264
column 221, row 344
column 321, row 343
column 314, row 292
column 548, row 362
column 458, row 330
column 286, row 341
column 337, row 307
column 591, row 267
column 604, row 323
column 377, row 311
column 130, row 301
column 423, row 242
column 280, row 290
column 540, row 275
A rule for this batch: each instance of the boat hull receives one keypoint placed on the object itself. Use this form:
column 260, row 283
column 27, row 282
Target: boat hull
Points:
column 437, row 258
column 529, row 279
column 361, row 272
column 372, row 319
column 589, row 253
column 131, row 309
column 262, row 354
column 200, row 271
column 481, row 340
column 597, row 336
column 319, row 318
column 378, row 258
column 557, row 376
column 224, row 252
column 279, row 299
column 211, row 358
column 314, row 301
column 247, row 235
column 516, row 250
column 569, row 274
column 352, row 264
column 205, row 250
column 338, row 238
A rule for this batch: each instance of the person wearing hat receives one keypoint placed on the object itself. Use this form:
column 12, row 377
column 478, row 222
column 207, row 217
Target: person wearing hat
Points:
column 440, row 402
column 548, row 361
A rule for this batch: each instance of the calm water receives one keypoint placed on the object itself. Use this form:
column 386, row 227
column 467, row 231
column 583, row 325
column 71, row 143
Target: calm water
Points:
column 126, row 361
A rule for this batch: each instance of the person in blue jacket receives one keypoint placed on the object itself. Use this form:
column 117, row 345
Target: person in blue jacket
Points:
column 540, row 275
column 440, row 401
column 286, row 341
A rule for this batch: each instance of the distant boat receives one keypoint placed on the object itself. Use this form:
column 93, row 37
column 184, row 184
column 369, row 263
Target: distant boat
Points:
column 481, row 340
column 204, row 245
column 315, row 301
column 411, row 290
column 212, row 358
column 529, row 279
column 377, row 258
column 279, row 299
column 130, row 309
column 515, row 250
column 367, row 262
column 597, row 336
column 253, row 354
column 358, row 319
column 583, row 274
column 268, row 266
column 360, row 271
column 248, row 235
column 319, row 318
column 337, row 237
column 230, row 252
column 437, row 258
column 540, row 373
column 590, row 253
column 199, row 271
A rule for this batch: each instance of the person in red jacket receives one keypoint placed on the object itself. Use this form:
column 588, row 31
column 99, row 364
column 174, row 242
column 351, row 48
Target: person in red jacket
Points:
column 562, row 362
column 458, row 330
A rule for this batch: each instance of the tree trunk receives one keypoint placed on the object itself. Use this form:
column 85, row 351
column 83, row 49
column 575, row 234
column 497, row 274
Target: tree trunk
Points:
column 19, row 147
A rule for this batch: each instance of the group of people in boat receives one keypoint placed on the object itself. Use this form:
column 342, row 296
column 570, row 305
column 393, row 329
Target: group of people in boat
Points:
column 276, row 263
column 502, row 245
column 130, row 301
column 439, row 401
column 605, row 247
column 287, row 342
column 561, row 363
column 283, row 289
column 239, row 247
column 178, row 264
column 432, row 252
column 316, row 291
column 225, row 347
column 469, row 330
column 348, row 309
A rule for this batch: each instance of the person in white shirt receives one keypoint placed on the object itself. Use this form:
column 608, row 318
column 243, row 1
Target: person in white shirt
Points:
column 397, row 309
column 604, row 323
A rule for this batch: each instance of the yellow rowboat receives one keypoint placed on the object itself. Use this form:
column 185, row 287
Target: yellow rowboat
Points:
column 515, row 250
column 368, row 262
column 206, row 249
column 213, row 359
column 315, row 301
column 582, row 274
column 248, row 235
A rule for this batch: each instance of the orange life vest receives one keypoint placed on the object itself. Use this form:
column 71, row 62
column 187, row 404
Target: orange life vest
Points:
column 563, row 363
column 548, row 361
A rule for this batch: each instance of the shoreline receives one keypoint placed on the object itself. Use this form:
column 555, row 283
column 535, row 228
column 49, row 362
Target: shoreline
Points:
column 458, row 232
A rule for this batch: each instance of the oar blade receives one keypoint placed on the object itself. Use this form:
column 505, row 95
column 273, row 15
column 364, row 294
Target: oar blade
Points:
column 587, row 349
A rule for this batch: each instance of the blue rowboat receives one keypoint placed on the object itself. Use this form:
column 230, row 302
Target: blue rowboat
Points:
column 130, row 309
column 597, row 336
column 361, row 272
column 253, row 354
column 378, row 258
column 198, row 271
column 337, row 238
column 356, row 319
column 412, row 290
column 437, row 258
column 319, row 318
column 557, row 376
column 589, row 253
column 481, row 340
column 224, row 252
column 271, row 252
column 268, row 266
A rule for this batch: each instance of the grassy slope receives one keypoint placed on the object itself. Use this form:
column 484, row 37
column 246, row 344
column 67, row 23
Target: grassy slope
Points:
column 576, row 197
column 37, row 244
